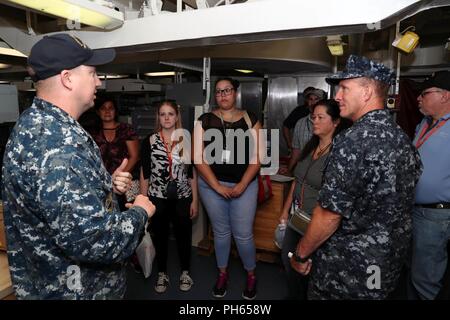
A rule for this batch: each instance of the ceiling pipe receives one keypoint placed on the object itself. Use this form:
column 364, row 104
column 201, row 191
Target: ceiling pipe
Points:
column 30, row 29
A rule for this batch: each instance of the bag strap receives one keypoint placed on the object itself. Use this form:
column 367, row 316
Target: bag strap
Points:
column 247, row 119
column 146, row 147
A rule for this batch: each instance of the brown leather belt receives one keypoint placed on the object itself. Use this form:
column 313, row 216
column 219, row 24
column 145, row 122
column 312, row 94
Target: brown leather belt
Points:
column 440, row 205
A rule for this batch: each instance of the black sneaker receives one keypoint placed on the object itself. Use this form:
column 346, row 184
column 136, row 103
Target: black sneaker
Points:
column 220, row 289
column 250, row 290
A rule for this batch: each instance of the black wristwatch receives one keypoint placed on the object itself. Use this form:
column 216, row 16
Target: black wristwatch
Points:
column 299, row 259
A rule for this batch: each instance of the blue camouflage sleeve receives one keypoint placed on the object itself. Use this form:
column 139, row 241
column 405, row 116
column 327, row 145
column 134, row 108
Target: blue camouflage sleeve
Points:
column 342, row 182
column 82, row 211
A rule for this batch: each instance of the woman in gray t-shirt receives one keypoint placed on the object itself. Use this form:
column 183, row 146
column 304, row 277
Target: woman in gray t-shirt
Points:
column 305, row 188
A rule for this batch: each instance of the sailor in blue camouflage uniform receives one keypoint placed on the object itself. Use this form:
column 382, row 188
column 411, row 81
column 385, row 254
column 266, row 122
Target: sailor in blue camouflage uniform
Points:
column 66, row 237
column 361, row 227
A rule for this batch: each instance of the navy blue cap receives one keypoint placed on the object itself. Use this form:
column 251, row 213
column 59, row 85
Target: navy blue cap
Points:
column 358, row 66
column 439, row 79
column 53, row 54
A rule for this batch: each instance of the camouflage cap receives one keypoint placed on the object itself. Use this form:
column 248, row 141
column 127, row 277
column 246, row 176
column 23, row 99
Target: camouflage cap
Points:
column 358, row 66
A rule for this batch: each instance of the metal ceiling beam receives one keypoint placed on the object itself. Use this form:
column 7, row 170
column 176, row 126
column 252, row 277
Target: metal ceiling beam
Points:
column 249, row 22
column 245, row 22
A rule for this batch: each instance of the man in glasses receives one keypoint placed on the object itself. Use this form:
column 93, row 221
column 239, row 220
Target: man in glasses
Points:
column 431, row 213
column 299, row 121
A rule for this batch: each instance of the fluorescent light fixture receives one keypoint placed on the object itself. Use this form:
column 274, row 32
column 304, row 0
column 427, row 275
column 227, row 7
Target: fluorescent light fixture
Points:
column 244, row 71
column 160, row 74
column 181, row 65
column 335, row 45
column 7, row 51
column 4, row 66
column 77, row 11
column 102, row 76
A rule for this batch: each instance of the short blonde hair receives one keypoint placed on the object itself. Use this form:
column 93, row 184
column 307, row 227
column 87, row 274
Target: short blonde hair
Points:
column 381, row 88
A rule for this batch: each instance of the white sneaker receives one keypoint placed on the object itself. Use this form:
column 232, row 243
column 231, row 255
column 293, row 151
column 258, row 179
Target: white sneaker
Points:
column 162, row 283
column 186, row 281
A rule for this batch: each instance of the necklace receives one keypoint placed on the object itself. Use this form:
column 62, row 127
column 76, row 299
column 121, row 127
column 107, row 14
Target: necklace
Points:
column 169, row 143
column 115, row 128
column 229, row 122
column 321, row 151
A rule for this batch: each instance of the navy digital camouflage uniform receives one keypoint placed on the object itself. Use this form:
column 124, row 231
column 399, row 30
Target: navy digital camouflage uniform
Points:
column 61, row 215
column 369, row 180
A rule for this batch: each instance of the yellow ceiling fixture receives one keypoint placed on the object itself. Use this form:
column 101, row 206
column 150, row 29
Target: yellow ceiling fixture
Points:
column 160, row 74
column 335, row 45
column 406, row 41
column 76, row 12
column 4, row 66
column 244, row 71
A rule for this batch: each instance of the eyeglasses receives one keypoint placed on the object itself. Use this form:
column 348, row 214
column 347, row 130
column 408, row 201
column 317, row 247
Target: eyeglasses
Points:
column 423, row 94
column 224, row 92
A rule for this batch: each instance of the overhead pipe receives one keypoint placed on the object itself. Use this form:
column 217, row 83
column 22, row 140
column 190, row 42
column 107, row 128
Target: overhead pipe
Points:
column 206, row 82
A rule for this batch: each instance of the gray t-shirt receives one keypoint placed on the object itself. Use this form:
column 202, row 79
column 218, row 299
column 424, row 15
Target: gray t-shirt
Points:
column 313, row 181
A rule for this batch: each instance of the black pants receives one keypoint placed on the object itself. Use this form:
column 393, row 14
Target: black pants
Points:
column 177, row 213
column 297, row 283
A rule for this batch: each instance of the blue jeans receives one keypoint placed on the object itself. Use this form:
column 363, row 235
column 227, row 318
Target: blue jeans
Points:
column 431, row 232
column 231, row 217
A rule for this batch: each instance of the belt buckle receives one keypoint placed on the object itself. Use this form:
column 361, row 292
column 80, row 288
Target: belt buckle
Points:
column 440, row 206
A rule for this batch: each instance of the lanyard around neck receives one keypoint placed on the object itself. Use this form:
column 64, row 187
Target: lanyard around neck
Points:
column 428, row 130
column 169, row 153
column 223, row 123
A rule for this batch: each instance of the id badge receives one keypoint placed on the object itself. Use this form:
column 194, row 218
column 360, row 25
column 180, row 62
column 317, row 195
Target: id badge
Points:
column 226, row 154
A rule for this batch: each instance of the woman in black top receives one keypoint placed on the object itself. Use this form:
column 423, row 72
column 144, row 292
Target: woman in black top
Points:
column 228, row 164
column 168, row 179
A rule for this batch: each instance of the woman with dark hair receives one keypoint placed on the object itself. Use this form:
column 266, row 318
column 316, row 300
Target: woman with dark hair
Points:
column 116, row 140
column 170, row 181
column 304, row 190
column 227, row 183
